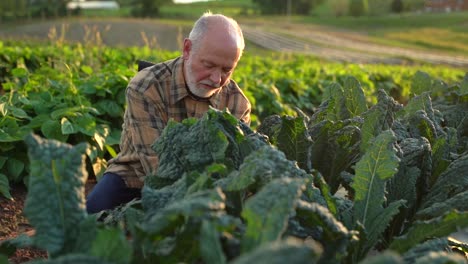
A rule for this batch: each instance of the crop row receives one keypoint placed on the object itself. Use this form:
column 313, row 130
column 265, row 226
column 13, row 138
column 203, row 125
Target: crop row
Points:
column 75, row 93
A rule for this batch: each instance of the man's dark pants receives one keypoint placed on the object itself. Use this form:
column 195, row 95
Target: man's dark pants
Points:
column 110, row 192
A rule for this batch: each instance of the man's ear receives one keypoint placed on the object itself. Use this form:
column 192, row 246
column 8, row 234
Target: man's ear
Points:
column 187, row 48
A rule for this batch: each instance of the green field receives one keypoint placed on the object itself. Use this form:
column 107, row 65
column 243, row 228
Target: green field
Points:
column 408, row 30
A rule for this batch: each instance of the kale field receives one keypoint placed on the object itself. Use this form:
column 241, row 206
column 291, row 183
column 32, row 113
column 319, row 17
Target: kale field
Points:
column 343, row 163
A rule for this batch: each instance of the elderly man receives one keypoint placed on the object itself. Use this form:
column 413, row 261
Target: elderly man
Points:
column 176, row 89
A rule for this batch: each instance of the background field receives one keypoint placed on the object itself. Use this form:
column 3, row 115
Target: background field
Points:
column 413, row 30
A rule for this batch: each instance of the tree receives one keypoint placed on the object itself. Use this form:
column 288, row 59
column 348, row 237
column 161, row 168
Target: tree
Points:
column 276, row 7
column 358, row 7
column 397, row 6
column 148, row 8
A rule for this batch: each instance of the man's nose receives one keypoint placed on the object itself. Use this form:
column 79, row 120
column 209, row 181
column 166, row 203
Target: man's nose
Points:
column 215, row 76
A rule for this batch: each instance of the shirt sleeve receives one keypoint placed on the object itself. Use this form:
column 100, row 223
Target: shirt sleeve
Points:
column 146, row 121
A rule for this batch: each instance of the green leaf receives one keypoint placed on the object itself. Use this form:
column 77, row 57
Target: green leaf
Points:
column 5, row 186
column 9, row 246
column 210, row 247
column 55, row 204
column 387, row 257
column 267, row 218
column 71, row 258
column 355, row 100
column 463, row 87
column 378, row 118
column 67, row 127
column 37, row 121
column 458, row 202
column 72, row 111
column 335, row 237
column 261, row 167
column 166, row 220
column 423, row 249
column 421, row 102
column 293, row 139
column 424, row 230
column 289, row 251
column 404, row 185
column 19, row 113
column 111, row 245
column 451, row 182
column 52, row 129
column 441, row 153
column 441, row 257
column 421, row 82
column 195, row 143
column 111, row 151
column 15, row 168
column 6, row 137
column 110, row 107
column 336, row 109
column 19, row 72
column 85, row 124
column 376, row 167
column 3, row 161
column 86, row 69
column 335, row 149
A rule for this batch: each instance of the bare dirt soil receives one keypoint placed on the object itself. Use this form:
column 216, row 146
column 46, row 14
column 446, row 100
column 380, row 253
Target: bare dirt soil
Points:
column 13, row 223
column 337, row 45
column 109, row 32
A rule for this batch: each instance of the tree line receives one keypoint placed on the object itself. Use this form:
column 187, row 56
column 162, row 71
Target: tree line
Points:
column 14, row 10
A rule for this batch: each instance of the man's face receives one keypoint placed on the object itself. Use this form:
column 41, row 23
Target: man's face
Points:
column 209, row 65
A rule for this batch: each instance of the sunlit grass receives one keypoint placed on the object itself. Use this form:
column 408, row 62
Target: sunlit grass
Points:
column 434, row 38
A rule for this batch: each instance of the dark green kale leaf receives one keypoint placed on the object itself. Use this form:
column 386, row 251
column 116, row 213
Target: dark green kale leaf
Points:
column 193, row 144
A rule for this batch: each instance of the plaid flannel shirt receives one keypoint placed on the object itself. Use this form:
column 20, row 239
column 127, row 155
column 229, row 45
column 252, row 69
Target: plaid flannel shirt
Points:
column 154, row 96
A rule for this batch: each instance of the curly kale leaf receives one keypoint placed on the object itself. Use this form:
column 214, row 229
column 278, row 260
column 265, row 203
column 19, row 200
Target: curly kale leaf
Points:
column 173, row 233
column 458, row 202
column 378, row 118
column 421, row 118
column 168, row 219
column 411, row 180
column 289, row 251
column 335, row 148
column 335, row 237
column 295, row 142
column 456, row 116
column 421, row 231
column 341, row 102
column 193, row 144
column 423, row 249
column 451, row 182
column 153, row 200
column 260, row 168
column 267, row 218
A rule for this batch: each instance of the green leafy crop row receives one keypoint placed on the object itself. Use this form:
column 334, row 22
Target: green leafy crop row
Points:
column 75, row 93
column 348, row 184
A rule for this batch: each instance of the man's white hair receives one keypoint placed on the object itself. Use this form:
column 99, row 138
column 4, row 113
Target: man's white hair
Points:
column 201, row 26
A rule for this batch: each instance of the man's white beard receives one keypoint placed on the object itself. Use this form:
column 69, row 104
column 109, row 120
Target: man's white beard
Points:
column 193, row 86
